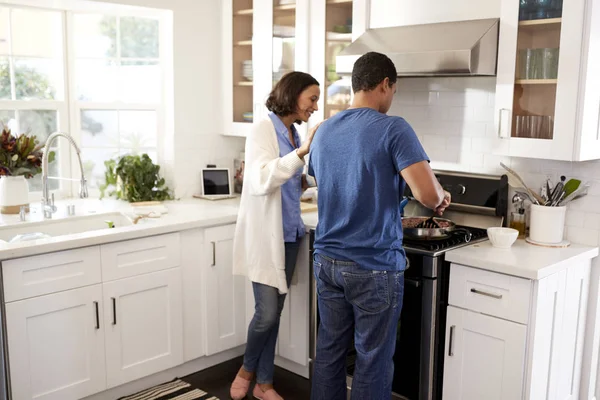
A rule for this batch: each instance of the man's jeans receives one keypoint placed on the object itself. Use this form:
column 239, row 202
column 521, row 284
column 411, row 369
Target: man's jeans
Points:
column 359, row 303
column 264, row 327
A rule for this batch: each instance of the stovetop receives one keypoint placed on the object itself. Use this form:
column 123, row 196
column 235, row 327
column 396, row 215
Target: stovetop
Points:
column 435, row 247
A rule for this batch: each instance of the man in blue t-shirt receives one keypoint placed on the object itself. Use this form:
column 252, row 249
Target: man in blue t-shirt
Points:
column 361, row 159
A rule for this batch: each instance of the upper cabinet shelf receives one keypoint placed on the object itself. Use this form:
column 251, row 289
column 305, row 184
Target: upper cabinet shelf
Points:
column 541, row 22
column 247, row 12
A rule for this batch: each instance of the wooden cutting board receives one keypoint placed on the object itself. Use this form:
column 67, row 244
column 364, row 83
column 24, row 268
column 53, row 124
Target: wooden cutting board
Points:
column 307, row 206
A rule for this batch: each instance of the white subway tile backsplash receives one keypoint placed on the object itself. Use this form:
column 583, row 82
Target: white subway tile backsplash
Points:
column 575, row 218
column 583, row 236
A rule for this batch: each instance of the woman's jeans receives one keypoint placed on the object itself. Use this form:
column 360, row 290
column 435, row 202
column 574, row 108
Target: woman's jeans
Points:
column 264, row 327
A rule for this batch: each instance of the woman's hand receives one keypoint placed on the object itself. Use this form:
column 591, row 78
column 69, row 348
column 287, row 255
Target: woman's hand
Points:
column 305, row 148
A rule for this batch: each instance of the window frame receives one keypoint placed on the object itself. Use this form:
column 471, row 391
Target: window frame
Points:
column 69, row 108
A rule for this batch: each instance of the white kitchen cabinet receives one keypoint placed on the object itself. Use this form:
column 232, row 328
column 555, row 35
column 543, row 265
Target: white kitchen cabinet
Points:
column 144, row 325
column 262, row 40
column 56, row 345
column 225, row 305
column 485, row 357
column 487, row 333
column 549, row 113
column 293, row 329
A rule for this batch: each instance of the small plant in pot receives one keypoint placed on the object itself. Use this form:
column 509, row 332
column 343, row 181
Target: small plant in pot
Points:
column 20, row 159
column 134, row 178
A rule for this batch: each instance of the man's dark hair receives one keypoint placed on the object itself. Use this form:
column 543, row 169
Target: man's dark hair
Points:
column 370, row 69
column 283, row 99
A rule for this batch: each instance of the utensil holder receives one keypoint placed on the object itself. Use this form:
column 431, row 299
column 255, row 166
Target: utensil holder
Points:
column 547, row 224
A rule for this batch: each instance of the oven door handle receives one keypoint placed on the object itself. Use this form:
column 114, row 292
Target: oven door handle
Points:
column 412, row 282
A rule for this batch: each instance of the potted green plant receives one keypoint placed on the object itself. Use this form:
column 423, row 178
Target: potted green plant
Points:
column 20, row 159
column 134, row 178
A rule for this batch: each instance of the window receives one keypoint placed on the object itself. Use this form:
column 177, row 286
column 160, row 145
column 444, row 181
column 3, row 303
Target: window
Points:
column 94, row 72
column 118, row 88
column 31, row 76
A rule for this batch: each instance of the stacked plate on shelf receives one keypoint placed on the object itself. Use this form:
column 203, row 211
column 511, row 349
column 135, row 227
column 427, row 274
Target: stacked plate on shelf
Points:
column 247, row 69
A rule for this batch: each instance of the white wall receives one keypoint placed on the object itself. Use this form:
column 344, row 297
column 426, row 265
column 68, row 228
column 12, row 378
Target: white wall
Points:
column 386, row 13
column 197, row 93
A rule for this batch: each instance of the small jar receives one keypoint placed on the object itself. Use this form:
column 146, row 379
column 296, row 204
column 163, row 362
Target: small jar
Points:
column 517, row 221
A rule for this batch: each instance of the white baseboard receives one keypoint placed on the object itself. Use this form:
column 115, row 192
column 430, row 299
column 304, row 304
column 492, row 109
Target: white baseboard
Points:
column 292, row 366
column 182, row 370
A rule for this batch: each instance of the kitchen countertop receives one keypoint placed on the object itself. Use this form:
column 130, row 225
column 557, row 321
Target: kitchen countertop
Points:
column 522, row 259
column 181, row 215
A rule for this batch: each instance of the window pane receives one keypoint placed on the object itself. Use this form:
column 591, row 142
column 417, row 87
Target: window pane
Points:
column 138, row 152
column 93, row 164
column 38, row 78
column 140, row 82
column 96, row 80
column 138, row 129
column 99, row 128
column 36, row 33
column 3, row 30
column 40, row 123
column 95, row 36
column 4, row 79
column 35, row 183
column 7, row 118
column 139, row 37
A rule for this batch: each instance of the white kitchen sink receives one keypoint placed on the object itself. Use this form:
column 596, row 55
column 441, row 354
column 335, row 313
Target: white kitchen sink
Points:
column 60, row 227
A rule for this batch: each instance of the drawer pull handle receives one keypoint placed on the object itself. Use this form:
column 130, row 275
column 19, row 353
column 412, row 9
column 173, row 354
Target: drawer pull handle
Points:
column 495, row 296
column 114, row 304
column 451, row 341
column 97, row 315
column 214, row 254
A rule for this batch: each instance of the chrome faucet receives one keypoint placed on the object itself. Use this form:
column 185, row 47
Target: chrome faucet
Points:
column 48, row 206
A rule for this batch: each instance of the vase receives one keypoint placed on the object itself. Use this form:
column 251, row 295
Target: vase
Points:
column 14, row 193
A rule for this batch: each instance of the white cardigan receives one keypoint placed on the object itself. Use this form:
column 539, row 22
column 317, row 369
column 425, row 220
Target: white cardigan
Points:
column 258, row 246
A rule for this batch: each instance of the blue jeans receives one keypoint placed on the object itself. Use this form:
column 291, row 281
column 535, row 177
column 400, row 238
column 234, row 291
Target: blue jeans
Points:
column 264, row 327
column 359, row 303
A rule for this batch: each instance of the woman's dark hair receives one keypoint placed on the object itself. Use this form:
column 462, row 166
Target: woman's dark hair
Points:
column 370, row 69
column 283, row 99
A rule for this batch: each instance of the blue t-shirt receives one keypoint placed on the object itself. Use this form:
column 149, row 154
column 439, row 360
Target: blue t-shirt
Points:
column 356, row 157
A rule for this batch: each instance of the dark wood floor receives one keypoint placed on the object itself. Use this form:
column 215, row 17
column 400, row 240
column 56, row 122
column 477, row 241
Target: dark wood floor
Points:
column 216, row 381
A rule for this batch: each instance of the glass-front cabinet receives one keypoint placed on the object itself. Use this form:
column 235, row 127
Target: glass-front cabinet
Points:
column 262, row 41
column 540, row 85
column 338, row 35
column 238, row 72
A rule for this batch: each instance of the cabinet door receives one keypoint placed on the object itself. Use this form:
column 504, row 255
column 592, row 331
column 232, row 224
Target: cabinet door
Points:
column 56, row 345
column 237, row 47
column 293, row 330
column 537, row 85
column 144, row 325
column 225, row 293
column 484, row 357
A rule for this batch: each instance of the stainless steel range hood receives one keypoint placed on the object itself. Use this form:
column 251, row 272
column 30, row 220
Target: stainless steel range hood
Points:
column 442, row 49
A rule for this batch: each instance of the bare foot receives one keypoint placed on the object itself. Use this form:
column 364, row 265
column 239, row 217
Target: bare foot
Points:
column 242, row 373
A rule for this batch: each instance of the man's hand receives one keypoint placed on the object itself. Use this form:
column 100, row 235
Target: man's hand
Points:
column 445, row 203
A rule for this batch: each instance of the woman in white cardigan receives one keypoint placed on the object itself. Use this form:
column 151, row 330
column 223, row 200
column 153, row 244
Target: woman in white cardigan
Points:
column 269, row 226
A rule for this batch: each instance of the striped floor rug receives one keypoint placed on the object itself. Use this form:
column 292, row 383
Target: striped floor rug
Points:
column 174, row 390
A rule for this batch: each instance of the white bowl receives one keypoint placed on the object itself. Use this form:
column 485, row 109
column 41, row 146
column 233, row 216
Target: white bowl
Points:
column 502, row 237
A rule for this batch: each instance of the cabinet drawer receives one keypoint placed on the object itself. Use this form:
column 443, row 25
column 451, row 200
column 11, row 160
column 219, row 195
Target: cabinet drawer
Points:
column 490, row 293
column 139, row 256
column 49, row 273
